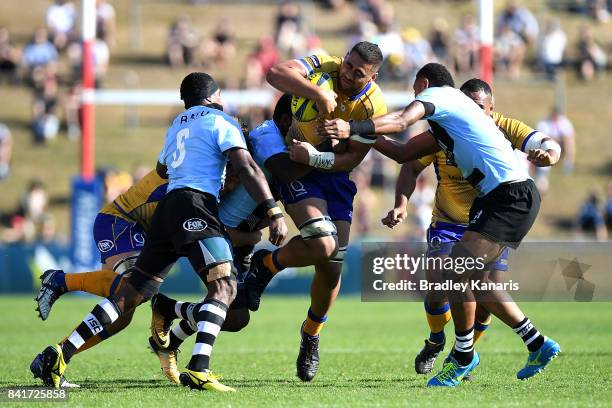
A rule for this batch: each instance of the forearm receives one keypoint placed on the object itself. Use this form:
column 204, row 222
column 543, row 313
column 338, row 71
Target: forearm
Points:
column 389, row 147
column 291, row 81
column 405, row 185
column 393, row 122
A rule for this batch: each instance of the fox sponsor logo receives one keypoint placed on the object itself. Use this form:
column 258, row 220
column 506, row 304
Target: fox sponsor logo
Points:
column 194, row 225
column 105, row 245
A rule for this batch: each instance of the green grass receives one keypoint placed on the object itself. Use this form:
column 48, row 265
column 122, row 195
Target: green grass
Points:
column 367, row 351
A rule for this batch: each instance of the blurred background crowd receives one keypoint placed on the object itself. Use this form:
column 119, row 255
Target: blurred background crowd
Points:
column 532, row 45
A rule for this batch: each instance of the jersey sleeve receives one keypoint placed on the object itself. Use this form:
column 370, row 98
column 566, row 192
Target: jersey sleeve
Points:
column 517, row 132
column 162, row 154
column 320, row 63
column 229, row 134
column 435, row 97
column 273, row 145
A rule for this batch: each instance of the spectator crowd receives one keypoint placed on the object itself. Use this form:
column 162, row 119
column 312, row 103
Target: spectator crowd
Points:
column 50, row 64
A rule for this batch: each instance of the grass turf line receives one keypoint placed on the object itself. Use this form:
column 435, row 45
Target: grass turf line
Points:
column 367, row 353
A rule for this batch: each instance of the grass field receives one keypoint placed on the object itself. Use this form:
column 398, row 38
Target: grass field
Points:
column 367, row 352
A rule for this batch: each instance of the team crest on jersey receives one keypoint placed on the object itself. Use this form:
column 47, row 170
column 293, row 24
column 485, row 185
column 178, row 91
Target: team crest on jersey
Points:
column 105, row 245
column 195, row 225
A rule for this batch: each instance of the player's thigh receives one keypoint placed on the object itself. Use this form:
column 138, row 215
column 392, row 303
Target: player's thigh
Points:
column 306, row 210
column 121, row 262
column 479, row 245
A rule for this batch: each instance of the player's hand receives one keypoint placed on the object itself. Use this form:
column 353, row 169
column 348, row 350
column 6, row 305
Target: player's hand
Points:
column 394, row 217
column 326, row 102
column 298, row 151
column 542, row 158
column 334, row 129
column 278, row 231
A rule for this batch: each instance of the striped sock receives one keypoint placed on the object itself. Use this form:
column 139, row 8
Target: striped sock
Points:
column 464, row 347
column 437, row 319
column 530, row 334
column 185, row 311
column 180, row 332
column 313, row 324
column 102, row 315
column 480, row 327
column 272, row 263
column 210, row 316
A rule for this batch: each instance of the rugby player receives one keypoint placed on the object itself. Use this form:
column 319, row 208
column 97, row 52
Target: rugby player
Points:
column 186, row 223
column 240, row 212
column 320, row 203
column 450, row 217
column 500, row 216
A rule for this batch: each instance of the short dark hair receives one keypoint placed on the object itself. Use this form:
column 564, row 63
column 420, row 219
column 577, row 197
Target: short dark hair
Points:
column 436, row 74
column 475, row 85
column 282, row 108
column 196, row 87
column 369, row 52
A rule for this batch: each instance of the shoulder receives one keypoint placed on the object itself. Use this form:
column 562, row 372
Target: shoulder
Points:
column 321, row 62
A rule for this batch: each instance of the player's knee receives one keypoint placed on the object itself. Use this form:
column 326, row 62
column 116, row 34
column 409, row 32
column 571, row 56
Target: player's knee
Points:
column 323, row 248
column 221, row 282
column 319, row 235
column 145, row 285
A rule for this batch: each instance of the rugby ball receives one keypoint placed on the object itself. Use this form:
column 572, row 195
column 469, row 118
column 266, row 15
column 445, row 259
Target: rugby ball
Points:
column 305, row 110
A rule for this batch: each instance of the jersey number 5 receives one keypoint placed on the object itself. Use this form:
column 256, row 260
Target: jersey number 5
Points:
column 180, row 148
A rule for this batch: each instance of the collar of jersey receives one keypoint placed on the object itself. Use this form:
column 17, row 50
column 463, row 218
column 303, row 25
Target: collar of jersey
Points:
column 360, row 94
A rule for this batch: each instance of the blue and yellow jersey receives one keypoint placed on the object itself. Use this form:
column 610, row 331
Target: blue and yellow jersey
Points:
column 454, row 194
column 368, row 103
column 139, row 202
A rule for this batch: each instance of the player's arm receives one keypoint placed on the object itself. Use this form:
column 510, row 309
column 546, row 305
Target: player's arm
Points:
column 162, row 170
column 304, row 152
column 256, row 185
column 290, row 77
column 418, row 146
column 284, row 169
column 404, row 187
column 393, row 122
column 541, row 149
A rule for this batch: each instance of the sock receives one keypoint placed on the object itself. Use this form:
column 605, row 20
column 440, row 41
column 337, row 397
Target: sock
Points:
column 463, row 350
column 313, row 324
column 210, row 316
column 60, row 280
column 180, row 332
column 102, row 315
column 97, row 283
column 530, row 334
column 480, row 327
column 437, row 319
column 98, row 338
column 272, row 263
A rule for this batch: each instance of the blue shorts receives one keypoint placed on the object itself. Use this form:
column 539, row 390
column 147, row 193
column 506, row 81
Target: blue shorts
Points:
column 441, row 236
column 334, row 187
column 114, row 236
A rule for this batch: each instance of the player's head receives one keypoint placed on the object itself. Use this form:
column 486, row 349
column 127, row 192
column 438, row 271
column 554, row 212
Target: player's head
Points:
column 480, row 92
column 359, row 67
column 199, row 88
column 432, row 75
column 282, row 115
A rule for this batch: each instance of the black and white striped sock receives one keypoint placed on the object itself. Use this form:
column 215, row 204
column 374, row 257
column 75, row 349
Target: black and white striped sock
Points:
column 210, row 316
column 185, row 311
column 102, row 315
column 180, row 332
column 530, row 334
column 464, row 347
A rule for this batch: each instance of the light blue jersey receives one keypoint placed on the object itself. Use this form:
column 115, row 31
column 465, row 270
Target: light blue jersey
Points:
column 471, row 140
column 195, row 146
column 265, row 141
